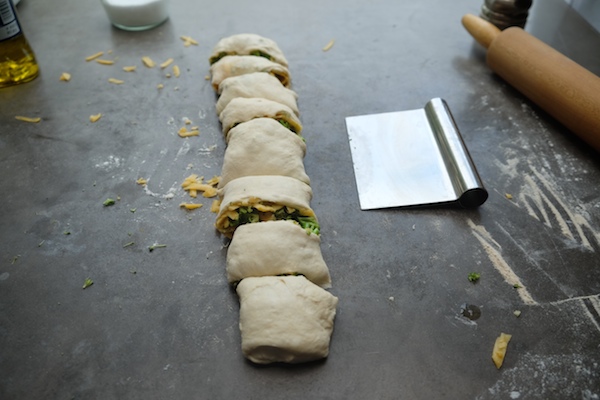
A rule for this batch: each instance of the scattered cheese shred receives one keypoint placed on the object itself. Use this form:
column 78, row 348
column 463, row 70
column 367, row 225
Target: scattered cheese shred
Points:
column 194, row 178
column 141, row 181
column 214, row 180
column 193, row 184
column 168, row 75
column 207, row 190
column 500, row 347
column 207, row 77
column 116, row 81
column 187, row 120
column 129, row 68
column 148, row 62
column 508, row 196
column 329, row 45
column 28, row 119
column 105, row 62
column 160, row 86
column 94, row 56
column 95, row 118
column 183, row 132
column 166, row 63
column 188, row 41
column 176, row 71
column 190, row 206
column 65, row 76
column 215, row 206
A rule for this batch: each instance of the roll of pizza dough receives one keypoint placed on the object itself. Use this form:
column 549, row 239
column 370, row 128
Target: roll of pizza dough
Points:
column 285, row 319
column 263, row 146
column 247, row 44
column 242, row 109
column 256, row 84
column 276, row 248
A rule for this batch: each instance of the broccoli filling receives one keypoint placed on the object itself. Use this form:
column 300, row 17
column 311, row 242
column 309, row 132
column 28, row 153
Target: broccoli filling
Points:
column 259, row 53
column 287, row 125
column 248, row 215
column 216, row 58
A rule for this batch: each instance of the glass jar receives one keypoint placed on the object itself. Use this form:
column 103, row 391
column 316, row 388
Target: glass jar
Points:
column 17, row 60
column 136, row 15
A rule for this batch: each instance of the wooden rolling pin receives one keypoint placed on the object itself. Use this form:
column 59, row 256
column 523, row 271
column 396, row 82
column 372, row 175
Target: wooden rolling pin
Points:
column 561, row 87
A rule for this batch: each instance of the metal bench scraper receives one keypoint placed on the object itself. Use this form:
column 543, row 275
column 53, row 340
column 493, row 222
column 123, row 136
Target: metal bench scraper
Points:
column 412, row 158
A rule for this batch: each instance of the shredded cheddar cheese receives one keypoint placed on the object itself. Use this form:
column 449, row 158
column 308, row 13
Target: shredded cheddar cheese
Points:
column 160, row 86
column 105, row 62
column 208, row 190
column 65, row 76
column 176, row 71
column 213, row 181
column 190, row 206
column 95, row 118
column 188, row 41
column 215, row 206
column 148, row 62
column 193, row 184
column 183, row 132
column 191, row 179
column 94, row 56
column 28, row 119
column 500, row 347
column 116, row 81
column 166, row 63
column 141, row 181
column 129, row 68
column 329, row 45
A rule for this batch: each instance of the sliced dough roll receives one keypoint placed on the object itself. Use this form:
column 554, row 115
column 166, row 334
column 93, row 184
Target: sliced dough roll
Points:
column 256, row 84
column 252, row 199
column 229, row 66
column 241, row 109
column 285, row 319
column 276, row 248
column 248, row 44
column 263, row 146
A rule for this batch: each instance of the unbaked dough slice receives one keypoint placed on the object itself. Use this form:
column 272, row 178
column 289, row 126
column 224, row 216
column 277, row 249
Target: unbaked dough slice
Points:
column 229, row 66
column 242, row 109
column 285, row 319
column 263, row 146
column 248, row 44
column 276, row 248
column 254, row 199
column 256, row 84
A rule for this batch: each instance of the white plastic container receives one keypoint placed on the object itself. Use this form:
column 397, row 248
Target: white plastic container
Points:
column 136, row 15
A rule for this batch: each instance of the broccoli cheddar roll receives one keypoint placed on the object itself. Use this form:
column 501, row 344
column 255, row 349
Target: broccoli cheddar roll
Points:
column 229, row 66
column 276, row 248
column 242, row 109
column 248, row 44
column 252, row 199
column 263, row 146
column 256, row 84
column 285, row 319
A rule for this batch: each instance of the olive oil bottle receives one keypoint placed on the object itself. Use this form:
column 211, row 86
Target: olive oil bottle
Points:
column 17, row 60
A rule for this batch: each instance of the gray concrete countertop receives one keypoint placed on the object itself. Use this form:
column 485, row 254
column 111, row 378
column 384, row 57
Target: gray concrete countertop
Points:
column 164, row 324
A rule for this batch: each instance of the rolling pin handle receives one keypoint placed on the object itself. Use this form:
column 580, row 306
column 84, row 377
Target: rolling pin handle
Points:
column 482, row 31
